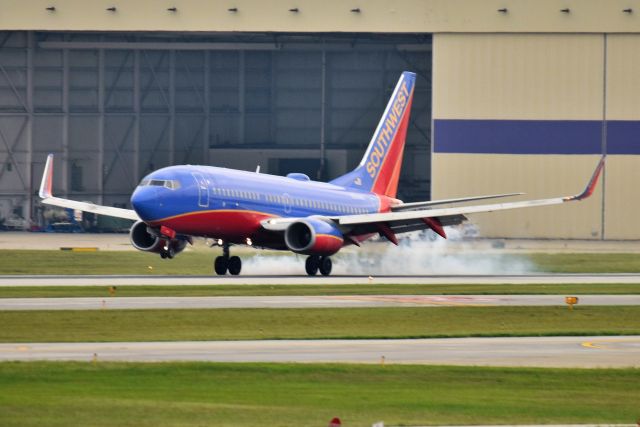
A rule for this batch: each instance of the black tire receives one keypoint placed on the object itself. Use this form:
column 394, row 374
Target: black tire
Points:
column 163, row 255
column 311, row 265
column 235, row 265
column 325, row 265
column 220, row 265
column 171, row 253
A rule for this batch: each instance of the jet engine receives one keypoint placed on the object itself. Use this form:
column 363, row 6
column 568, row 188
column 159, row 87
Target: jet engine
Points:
column 145, row 239
column 313, row 237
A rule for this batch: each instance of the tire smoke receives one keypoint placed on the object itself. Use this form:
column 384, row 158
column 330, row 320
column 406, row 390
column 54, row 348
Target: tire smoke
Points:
column 418, row 253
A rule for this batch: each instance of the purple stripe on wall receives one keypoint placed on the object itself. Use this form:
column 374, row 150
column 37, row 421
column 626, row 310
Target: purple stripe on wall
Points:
column 623, row 137
column 535, row 136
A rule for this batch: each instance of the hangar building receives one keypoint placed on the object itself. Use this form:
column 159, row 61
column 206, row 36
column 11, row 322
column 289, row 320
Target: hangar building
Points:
column 512, row 95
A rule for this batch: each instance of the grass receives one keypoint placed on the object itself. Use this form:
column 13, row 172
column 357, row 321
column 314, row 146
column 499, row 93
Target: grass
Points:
column 586, row 262
column 354, row 323
column 181, row 394
column 103, row 262
column 201, row 262
column 289, row 290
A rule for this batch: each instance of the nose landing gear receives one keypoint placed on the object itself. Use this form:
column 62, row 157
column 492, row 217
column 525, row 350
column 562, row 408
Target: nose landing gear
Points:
column 224, row 263
column 314, row 263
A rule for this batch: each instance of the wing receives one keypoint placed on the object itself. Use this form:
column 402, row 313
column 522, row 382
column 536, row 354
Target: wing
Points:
column 47, row 198
column 391, row 223
column 418, row 205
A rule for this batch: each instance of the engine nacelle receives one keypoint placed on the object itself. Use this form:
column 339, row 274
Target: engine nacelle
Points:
column 313, row 237
column 142, row 240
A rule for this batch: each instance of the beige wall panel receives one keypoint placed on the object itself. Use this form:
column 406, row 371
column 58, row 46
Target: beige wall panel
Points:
column 457, row 175
column 622, row 197
column 623, row 77
column 518, row 76
column 326, row 15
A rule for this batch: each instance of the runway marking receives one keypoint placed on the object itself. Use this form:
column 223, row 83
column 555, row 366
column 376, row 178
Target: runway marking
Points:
column 600, row 344
column 588, row 344
column 458, row 301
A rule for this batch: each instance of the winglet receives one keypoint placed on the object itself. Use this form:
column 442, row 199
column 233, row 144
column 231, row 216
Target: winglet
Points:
column 593, row 182
column 47, row 179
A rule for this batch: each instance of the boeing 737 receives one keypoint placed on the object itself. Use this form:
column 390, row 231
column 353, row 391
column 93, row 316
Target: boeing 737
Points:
column 174, row 204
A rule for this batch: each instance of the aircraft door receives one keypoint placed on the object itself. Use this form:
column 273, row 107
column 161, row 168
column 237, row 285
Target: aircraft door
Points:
column 287, row 202
column 203, row 189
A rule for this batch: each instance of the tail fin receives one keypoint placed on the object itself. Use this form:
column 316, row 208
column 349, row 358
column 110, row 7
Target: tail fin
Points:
column 379, row 169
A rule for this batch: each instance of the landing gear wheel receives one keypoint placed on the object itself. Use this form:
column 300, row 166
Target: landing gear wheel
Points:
column 311, row 265
column 170, row 252
column 163, row 255
column 220, row 265
column 325, row 265
column 235, row 265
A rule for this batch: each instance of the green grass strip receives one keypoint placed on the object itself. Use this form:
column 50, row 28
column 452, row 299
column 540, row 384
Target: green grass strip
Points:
column 586, row 262
column 239, row 324
column 311, row 290
column 104, row 262
column 208, row 394
column 200, row 262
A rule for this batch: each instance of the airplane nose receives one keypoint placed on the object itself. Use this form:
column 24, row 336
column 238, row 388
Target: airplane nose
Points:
column 145, row 202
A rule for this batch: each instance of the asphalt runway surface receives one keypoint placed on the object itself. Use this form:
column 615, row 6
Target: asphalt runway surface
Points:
column 337, row 301
column 523, row 279
column 584, row 352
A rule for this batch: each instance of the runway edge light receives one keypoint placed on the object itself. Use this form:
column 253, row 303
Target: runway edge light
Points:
column 571, row 301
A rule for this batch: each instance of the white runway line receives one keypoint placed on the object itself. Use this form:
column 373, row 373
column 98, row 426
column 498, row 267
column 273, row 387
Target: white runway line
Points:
column 316, row 280
column 583, row 352
column 539, row 425
column 337, row 301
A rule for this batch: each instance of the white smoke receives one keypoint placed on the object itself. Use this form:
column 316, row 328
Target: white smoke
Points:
column 419, row 253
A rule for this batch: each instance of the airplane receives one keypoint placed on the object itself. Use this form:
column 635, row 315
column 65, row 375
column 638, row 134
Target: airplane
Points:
column 176, row 203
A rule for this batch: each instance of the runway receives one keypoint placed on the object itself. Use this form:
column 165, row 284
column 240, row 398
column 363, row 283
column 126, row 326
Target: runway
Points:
column 583, row 352
column 147, row 280
column 338, row 301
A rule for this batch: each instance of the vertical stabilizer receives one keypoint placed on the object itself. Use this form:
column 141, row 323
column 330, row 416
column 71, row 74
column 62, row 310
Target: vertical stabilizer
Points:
column 379, row 169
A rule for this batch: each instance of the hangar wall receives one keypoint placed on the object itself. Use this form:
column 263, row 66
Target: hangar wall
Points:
column 533, row 113
column 155, row 82
column 370, row 16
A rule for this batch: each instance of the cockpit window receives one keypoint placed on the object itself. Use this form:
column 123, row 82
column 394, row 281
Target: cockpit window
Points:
column 171, row 184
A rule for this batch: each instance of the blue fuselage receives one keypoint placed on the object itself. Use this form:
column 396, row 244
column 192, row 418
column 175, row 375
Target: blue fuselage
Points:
column 229, row 204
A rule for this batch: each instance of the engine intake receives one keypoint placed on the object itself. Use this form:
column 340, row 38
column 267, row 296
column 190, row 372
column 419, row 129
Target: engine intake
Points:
column 143, row 240
column 313, row 237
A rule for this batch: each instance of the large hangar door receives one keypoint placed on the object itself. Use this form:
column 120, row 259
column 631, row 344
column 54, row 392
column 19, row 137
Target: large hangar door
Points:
column 316, row 93
column 113, row 107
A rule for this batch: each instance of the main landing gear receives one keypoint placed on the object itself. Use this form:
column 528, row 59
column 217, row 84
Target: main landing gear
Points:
column 315, row 263
column 225, row 263
column 167, row 252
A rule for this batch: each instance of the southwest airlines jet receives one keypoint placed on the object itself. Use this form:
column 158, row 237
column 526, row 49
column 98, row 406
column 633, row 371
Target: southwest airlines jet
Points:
column 176, row 203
